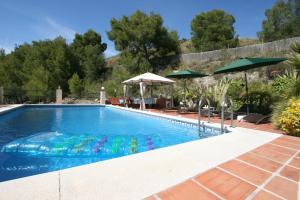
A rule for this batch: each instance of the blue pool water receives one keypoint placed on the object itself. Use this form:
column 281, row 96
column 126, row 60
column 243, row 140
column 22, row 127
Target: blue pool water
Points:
column 38, row 139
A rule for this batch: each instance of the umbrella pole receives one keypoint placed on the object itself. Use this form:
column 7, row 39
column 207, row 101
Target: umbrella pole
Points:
column 151, row 89
column 247, row 93
column 184, row 92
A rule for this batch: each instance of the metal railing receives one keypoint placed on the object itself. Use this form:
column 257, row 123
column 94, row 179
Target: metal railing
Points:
column 223, row 105
column 223, row 129
column 199, row 113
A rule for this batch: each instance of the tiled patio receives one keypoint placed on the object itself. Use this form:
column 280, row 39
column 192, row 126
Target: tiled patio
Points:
column 271, row 171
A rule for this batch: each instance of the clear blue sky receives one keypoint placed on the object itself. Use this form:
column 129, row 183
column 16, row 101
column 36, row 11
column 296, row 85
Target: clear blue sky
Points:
column 26, row 20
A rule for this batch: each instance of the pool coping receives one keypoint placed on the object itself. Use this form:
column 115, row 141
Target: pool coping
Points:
column 175, row 118
column 119, row 179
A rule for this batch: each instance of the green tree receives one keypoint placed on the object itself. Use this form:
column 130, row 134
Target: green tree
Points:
column 54, row 56
column 36, row 88
column 76, row 85
column 19, row 68
column 145, row 44
column 282, row 21
column 118, row 75
column 213, row 30
column 89, row 49
column 2, row 53
column 11, row 68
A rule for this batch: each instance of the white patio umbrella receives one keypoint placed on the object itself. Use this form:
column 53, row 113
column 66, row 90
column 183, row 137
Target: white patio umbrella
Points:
column 147, row 79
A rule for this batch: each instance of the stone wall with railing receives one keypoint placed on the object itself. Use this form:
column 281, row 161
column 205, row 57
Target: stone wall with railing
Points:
column 265, row 49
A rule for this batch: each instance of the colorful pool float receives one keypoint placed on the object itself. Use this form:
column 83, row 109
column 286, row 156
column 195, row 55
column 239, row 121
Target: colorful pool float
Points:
column 133, row 145
column 116, row 145
column 80, row 147
column 64, row 145
column 149, row 143
column 99, row 144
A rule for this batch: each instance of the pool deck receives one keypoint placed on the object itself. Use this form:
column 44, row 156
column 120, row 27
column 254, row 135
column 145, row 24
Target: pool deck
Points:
column 271, row 171
column 242, row 164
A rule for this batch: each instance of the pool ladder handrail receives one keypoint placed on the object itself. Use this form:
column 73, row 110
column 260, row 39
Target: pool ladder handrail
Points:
column 231, row 112
column 199, row 112
column 223, row 105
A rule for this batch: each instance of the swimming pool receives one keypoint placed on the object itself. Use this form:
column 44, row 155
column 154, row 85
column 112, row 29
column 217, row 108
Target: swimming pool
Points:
column 38, row 139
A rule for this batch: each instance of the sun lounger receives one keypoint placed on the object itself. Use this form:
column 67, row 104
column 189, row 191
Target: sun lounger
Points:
column 257, row 118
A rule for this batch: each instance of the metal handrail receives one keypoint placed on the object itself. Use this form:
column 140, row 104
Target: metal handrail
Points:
column 199, row 111
column 223, row 104
column 231, row 113
column 222, row 115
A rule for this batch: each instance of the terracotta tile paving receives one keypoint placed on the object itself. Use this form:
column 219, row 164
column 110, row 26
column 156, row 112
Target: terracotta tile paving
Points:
column 288, row 144
column 271, row 171
column 270, row 154
column 291, row 173
column 264, row 173
column 225, row 185
column 261, row 162
column 295, row 162
column 186, row 190
column 291, row 139
column 262, row 195
column 280, row 149
column 285, row 188
column 247, row 172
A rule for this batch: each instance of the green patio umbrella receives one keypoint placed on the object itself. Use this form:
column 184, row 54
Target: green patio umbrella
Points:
column 185, row 74
column 244, row 64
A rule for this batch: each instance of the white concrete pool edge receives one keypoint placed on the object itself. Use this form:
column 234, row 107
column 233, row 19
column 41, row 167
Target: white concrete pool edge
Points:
column 177, row 118
column 11, row 107
column 139, row 175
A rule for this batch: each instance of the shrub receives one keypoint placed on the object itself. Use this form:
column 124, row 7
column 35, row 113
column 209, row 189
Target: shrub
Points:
column 278, row 108
column 75, row 85
column 284, row 85
column 261, row 97
column 290, row 117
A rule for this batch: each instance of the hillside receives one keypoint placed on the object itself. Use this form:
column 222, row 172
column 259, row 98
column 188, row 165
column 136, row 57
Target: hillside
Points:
column 187, row 46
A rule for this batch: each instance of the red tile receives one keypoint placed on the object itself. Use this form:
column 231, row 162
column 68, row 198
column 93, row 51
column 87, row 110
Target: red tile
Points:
column 291, row 173
column 225, row 185
column 283, row 187
column 261, row 162
column 270, row 154
column 262, row 195
column 279, row 149
column 186, row 190
column 287, row 144
column 291, row 138
column 295, row 162
column 247, row 172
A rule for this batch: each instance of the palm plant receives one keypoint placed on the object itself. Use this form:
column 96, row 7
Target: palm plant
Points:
column 283, row 115
column 294, row 56
column 294, row 61
column 216, row 93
